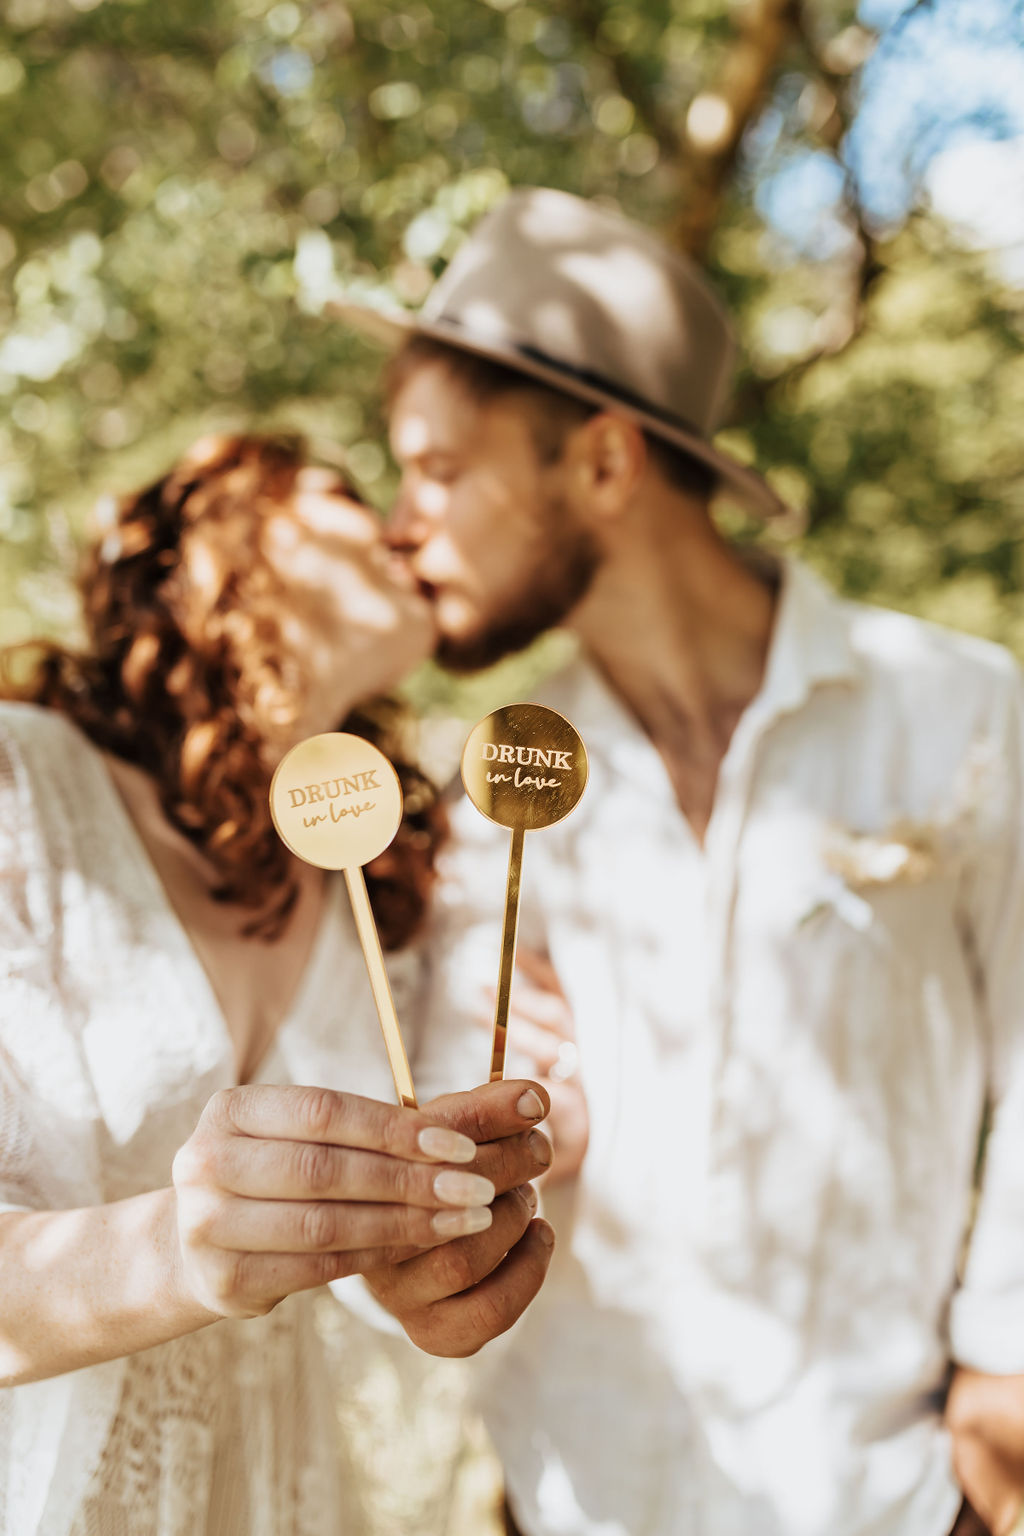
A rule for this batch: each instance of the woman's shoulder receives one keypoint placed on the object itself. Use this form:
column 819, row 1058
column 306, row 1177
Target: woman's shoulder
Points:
column 28, row 730
column 45, row 743
column 48, row 777
column 39, row 744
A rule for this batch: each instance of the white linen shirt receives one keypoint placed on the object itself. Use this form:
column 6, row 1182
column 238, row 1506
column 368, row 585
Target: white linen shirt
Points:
column 788, row 1040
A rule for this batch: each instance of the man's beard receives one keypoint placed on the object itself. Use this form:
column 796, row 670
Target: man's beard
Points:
column 548, row 592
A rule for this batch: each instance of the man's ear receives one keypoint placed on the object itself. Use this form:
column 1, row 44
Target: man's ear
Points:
column 608, row 457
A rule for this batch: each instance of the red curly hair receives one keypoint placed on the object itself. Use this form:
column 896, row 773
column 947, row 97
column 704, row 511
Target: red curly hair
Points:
column 185, row 675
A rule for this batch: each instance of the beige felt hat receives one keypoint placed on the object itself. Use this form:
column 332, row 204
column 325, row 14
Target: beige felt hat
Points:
column 582, row 299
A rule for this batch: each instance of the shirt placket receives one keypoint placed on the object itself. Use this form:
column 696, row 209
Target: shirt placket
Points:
column 722, row 1222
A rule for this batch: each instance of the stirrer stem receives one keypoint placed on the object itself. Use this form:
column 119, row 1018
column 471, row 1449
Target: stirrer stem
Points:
column 509, row 931
column 370, row 940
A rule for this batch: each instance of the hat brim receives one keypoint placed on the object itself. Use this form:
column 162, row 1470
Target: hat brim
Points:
column 389, row 328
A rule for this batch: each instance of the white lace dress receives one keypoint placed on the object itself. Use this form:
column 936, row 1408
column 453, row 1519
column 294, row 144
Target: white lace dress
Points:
column 111, row 1043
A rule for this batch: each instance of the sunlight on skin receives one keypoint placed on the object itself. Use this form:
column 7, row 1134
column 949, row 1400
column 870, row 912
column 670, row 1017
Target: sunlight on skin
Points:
column 353, row 609
column 472, row 512
column 122, row 1257
column 410, row 435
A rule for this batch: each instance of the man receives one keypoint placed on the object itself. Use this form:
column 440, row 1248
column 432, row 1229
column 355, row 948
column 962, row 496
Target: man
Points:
column 788, row 916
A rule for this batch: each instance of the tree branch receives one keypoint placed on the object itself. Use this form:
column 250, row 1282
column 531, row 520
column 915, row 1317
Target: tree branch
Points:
column 720, row 115
column 838, row 85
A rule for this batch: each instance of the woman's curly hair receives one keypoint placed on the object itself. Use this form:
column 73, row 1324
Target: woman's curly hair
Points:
column 185, row 675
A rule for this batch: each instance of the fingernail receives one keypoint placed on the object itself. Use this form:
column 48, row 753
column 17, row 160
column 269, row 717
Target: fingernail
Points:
column 545, row 1233
column 462, row 1223
column 456, row 1188
column 447, row 1146
column 530, row 1106
column 529, row 1194
column 540, row 1147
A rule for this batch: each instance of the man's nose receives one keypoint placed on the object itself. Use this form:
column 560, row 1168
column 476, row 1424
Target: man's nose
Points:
column 405, row 528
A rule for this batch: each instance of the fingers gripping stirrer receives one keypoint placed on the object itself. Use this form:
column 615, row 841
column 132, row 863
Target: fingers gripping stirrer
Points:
column 337, row 803
column 524, row 767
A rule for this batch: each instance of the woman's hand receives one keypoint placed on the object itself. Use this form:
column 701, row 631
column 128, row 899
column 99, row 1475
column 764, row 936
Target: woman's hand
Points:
column 541, row 1028
column 280, row 1189
column 277, row 1190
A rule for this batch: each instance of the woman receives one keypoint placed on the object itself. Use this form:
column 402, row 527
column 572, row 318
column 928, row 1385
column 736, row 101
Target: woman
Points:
column 170, row 972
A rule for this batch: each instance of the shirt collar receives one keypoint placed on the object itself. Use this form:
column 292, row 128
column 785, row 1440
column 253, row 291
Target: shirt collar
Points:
column 810, row 646
column 810, row 642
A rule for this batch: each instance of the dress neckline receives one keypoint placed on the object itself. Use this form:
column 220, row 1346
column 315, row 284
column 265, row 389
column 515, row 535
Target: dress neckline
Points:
column 196, row 978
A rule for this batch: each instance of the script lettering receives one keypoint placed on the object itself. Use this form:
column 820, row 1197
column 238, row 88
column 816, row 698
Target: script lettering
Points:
column 338, row 811
column 526, row 781
column 522, row 780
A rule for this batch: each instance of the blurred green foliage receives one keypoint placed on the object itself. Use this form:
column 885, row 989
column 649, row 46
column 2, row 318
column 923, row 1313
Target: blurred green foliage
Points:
column 181, row 185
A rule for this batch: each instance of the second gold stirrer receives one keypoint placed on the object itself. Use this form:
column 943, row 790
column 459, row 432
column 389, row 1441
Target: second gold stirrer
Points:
column 525, row 767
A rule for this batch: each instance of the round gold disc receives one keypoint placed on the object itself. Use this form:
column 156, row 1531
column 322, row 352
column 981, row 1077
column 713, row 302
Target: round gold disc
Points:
column 524, row 766
column 336, row 800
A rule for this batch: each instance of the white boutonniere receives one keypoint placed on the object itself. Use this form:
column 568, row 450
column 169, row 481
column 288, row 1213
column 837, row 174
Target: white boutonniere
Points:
column 858, row 863
column 906, row 852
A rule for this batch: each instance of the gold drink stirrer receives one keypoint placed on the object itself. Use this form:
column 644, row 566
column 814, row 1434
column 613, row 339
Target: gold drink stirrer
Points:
column 336, row 802
column 524, row 767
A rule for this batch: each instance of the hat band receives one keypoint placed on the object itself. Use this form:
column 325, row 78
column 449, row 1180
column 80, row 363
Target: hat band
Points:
column 592, row 380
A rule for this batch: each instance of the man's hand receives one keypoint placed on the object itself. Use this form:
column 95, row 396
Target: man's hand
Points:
column 985, row 1415
column 453, row 1299
column 280, row 1189
column 969, row 1522
column 542, row 1029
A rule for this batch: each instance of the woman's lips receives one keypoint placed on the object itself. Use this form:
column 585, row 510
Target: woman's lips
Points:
column 398, row 571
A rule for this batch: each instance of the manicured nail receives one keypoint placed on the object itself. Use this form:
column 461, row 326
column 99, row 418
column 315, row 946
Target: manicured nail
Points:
column 447, row 1146
column 545, row 1233
column 540, row 1147
column 530, row 1106
column 456, row 1188
column 461, row 1223
column 529, row 1194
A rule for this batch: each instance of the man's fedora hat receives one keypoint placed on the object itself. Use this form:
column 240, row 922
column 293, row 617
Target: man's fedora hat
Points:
column 586, row 301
